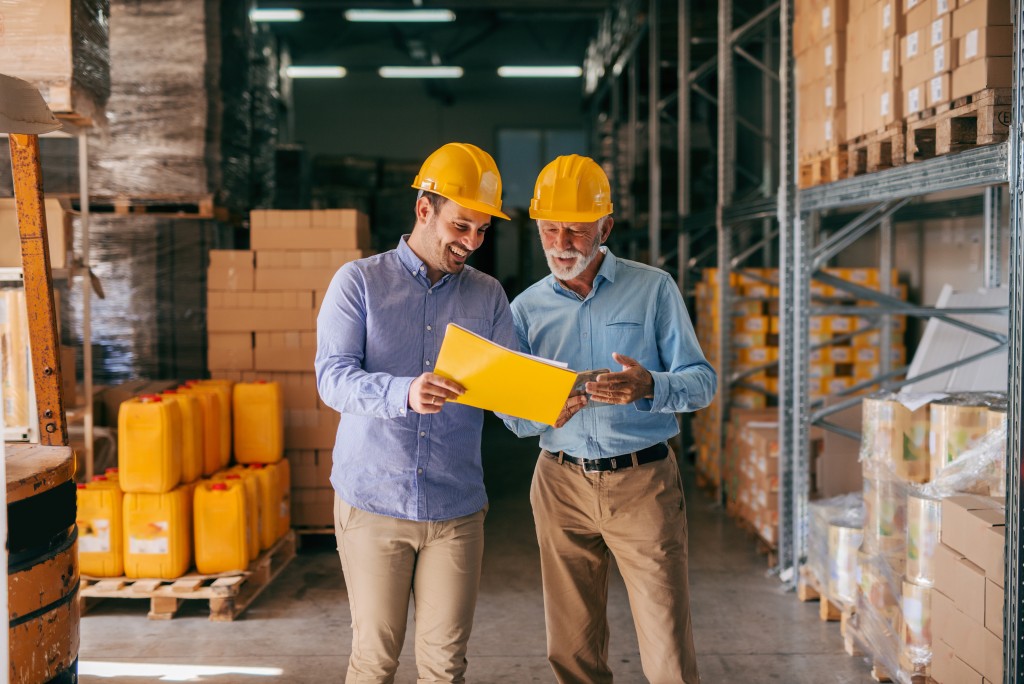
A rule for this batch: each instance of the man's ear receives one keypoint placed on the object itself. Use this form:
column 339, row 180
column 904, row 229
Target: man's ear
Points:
column 424, row 210
column 606, row 229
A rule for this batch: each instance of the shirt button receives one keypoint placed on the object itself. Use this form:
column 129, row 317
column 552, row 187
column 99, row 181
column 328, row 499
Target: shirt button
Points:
column 430, row 327
column 419, row 471
column 427, row 362
column 585, row 334
column 423, row 434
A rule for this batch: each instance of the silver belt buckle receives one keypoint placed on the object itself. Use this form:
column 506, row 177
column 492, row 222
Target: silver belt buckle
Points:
column 590, row 465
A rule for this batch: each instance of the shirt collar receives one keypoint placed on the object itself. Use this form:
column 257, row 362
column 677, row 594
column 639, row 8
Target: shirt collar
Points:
column 415, row 265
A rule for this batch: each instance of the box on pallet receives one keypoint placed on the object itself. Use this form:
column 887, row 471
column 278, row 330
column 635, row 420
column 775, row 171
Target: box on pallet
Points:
column 311, row 468
column 285, row 351
column 309, row 230
column 260, row 311
column 230, row 351
column 230, row 269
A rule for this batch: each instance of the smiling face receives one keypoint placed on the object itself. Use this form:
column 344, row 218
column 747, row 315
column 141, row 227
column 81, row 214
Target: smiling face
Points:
column 572, row 248
column 446, row 235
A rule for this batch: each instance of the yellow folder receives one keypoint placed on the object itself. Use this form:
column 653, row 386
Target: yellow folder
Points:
column 502, row 380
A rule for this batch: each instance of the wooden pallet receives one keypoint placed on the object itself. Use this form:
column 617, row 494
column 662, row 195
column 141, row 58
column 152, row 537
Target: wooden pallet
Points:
column 876, row 151
column 808, row 589
column 165, row 206
column 970, row 121
column 229, row 593
column 761, row 545
column 824, row 167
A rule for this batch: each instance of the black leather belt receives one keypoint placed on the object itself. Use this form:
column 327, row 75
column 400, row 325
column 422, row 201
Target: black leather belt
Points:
column 598, row 465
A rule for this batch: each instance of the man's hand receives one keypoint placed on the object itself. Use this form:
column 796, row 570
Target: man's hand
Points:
column 631, row 383
column 571, row 408
column 430, row 391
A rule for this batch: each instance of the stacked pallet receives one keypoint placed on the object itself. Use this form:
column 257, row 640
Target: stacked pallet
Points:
column 874, row 97
column 819, row 46
column 262, row 312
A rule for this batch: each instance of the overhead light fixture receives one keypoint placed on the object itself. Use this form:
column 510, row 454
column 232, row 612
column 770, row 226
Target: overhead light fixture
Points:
column 413, row 15
column 267, row 15
column 315, row 71
column 420, row 72
column 540, row 71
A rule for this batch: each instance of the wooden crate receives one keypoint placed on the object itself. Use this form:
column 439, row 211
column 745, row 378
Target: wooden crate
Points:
column 970, row 121
column 229, row 594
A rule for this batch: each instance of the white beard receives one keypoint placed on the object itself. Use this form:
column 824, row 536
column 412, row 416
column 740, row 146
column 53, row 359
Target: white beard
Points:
column 582, row 261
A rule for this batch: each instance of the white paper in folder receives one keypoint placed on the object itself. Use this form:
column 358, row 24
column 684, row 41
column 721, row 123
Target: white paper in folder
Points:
column 943, row 343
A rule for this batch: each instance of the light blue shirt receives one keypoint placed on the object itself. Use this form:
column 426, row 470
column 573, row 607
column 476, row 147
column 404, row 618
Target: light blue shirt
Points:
column 380, row 327
column 635, row 310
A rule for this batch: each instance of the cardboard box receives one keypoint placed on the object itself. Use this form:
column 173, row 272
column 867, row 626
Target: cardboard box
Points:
column 938, row 90
column 914, row 99
column 961, row 581
column 58, row 228
column 299, row 389
column 310, row 468
column 891, row 20
column 300, row 279
column 229, row 351
column 969, row 640
column 284, row 351
column 974, row 526
column 313, row 507
column 991, row 41
column 943, row 7
column 259, row 311
column 230, row 269
column 918, row 18
column 994, row 608
column 940, row 30
column 944, row 57
column 979, row 14
column 992, row 72
column 946, row 668
column 305, row 429
column 309, row 230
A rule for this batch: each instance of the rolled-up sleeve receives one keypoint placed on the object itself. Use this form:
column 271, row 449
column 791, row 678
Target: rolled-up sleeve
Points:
column 340, row 352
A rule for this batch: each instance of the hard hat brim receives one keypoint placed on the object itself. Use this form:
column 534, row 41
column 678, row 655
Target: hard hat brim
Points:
column 568, row 216
column 469, row 204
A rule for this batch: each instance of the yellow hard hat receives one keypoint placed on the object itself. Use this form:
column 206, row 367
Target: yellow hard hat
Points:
column 466, row 175
column 571, row 188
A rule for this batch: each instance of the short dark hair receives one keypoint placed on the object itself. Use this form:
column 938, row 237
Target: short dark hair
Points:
column 436, row 201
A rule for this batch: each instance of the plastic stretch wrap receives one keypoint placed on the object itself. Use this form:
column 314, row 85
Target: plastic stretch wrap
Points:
column 878, row 620
column 844, row 540
column 43, row 39
column 895, row 436
column 924, row 523
column 236, row 105
column 846, row 510
column 266, row 100
column 980, row 469
column 152, row 322
column 163, row 88
column 955, row 423
column 885, row 515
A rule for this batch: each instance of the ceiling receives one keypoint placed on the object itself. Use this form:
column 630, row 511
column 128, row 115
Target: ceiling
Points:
column 485, row 35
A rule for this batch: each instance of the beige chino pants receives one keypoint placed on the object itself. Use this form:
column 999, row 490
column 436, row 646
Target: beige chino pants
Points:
column 385, row 560
column 637, row 515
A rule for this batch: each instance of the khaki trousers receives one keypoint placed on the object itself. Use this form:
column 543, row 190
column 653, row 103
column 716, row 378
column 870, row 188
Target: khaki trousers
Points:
column 384, row 560
column 637, row 515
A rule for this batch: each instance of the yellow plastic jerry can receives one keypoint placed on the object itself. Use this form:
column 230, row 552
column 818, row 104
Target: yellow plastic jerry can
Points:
column 252, row 505
column 258, row 409
column 284, row 480
column 209, row 407
column 191, row 433
column 100, row 530
column 222, row 388
column 221, row 526
column 149, row 445
column 158, row 533
column 269, row 494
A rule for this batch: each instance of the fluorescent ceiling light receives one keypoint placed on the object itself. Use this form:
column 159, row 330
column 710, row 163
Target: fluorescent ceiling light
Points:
column 275, row 15
column 420, row 72
column 540, row 71
column 418, row 15
column 316, row 72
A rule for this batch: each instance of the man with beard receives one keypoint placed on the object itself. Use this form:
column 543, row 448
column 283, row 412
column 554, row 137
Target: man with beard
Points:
column 410, row 500
column 606, row 482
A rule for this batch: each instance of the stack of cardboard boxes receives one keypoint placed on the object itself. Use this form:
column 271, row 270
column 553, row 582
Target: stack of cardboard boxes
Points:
column 756, row 447
column 819, row 45
column 261, row 319
column 873, row 94
column 967, row 603
column 928, row 53
column 983, row 35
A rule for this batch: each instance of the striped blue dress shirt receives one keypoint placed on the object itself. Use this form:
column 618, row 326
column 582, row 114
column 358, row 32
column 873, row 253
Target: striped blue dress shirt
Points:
column 634, row 310
column 380, row 326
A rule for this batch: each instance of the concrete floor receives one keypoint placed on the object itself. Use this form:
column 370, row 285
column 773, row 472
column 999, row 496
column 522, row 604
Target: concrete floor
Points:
column 747, row 628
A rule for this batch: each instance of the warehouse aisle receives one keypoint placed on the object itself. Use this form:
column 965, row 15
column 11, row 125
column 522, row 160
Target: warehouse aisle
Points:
column 747, row 629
